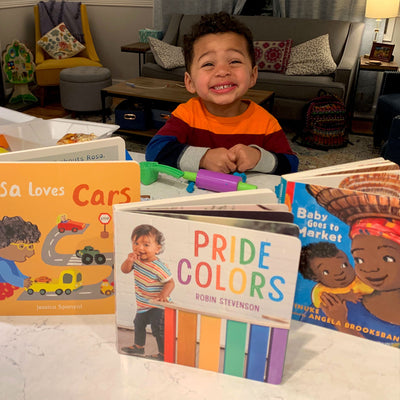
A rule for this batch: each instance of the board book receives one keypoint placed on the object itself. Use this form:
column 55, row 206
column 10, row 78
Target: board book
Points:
column 233, row 279
column 108, row 149
column 349, row 226
column 56, row 235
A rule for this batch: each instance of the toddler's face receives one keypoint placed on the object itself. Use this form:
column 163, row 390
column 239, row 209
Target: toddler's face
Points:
column 146, row 248
column 18, row 251
column 221, row 72
column 334, row 272
column 377, row 261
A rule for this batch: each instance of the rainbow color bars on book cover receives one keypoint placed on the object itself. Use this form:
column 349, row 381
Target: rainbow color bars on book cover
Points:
column 56, row 235
column 228, row 309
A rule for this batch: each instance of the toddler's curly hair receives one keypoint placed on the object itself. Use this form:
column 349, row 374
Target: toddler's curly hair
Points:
column 221, row 22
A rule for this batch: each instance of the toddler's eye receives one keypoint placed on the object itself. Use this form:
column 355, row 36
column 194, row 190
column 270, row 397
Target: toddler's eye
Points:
column 208, row 64
column 325, row 272
column 344, row 265
column 389, row 259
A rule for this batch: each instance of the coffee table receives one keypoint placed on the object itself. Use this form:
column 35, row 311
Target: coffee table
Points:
column 166, row 93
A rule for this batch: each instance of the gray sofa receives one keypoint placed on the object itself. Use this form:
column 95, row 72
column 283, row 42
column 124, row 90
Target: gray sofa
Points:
column 292, row 92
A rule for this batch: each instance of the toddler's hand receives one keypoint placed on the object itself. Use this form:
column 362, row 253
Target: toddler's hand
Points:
column 219, row 160
column 127, row 265
column 162, row 298
column 132, row 257
column 246, row 157
column 27, row 282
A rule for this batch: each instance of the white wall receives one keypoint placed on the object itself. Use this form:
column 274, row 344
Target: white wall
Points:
column 114, row 26
column 111, row 27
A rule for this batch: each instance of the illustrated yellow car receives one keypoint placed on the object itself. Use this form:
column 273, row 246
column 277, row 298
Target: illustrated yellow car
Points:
column 68, row 281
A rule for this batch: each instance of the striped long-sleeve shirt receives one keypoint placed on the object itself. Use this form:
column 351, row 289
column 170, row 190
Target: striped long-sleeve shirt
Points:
column 192, row 130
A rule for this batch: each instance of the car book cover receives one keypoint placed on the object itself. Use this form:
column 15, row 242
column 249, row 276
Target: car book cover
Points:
column 56, row 235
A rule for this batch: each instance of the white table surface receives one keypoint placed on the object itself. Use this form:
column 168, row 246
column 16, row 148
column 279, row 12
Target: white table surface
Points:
column 75, row 357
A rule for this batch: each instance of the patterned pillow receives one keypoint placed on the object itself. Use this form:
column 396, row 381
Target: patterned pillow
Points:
column 59, row 43
column 166, row 55
column 272, row 56
column 312, row 58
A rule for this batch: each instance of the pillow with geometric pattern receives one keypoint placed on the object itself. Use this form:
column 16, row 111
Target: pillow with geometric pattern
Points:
column 59, row 43
column 313, row 57
column 166, row 55
column 272, row 55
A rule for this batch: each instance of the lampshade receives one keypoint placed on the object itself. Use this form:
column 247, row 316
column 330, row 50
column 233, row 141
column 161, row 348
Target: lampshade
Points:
column 380, row 9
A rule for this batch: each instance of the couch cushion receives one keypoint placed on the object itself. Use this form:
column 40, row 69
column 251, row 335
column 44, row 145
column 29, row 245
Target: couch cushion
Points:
column 166, row 55
column 59, row 43
column 312, row 58
column 298, row 88
column 272, row 55
column 153, row 70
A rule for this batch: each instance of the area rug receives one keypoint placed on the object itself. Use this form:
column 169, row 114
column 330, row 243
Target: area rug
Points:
column 360, row 147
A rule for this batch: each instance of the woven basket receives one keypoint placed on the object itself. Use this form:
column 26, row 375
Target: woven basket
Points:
column 349, row 206
column 386, row 184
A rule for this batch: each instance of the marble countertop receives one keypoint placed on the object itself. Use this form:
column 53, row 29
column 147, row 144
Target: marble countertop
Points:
column 75, row 357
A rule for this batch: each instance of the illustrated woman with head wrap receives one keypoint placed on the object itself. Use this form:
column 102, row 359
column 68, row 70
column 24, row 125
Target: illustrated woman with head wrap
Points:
column 17, row 239
column 374, row 221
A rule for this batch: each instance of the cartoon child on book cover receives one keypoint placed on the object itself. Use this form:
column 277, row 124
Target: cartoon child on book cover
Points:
column 17, row 241
column 330, row 267
column 373, row 229
column 153, row 282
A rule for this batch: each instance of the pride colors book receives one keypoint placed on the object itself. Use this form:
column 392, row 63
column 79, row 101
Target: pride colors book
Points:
column 349, row 221
column 56, row 235
column 231, row 283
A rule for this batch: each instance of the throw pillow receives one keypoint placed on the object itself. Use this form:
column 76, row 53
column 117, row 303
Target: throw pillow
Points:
column 313, row 57
column 59, row 43
column 272, row 56
column 166, row 55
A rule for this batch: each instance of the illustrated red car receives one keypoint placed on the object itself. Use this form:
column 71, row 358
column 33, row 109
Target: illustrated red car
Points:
column 44, row 279
column 69, row 225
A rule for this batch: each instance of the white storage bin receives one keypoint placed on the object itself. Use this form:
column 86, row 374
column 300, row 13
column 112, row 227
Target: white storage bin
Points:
column 42, row 133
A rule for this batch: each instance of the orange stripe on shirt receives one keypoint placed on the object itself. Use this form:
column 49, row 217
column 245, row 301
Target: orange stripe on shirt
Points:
column 196, row 115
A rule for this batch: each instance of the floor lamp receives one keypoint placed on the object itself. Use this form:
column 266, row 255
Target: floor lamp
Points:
column 381, row 9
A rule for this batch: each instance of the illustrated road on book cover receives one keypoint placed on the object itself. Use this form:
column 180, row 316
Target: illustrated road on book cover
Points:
column 349, row 277
column 56, row 235
column 225, row 286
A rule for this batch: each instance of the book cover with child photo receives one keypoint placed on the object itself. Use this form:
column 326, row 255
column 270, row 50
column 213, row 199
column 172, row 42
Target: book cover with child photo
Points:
column 211, row 289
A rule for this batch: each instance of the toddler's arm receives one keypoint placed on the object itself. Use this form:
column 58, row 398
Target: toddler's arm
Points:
column 127, row 265
column 166, row 290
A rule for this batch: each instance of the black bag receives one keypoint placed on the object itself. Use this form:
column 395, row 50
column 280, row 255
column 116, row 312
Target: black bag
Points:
column 324, row 123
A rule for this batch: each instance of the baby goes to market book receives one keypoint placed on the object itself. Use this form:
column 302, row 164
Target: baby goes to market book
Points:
column 56, row 235
column 207, row 281
column 349, row 273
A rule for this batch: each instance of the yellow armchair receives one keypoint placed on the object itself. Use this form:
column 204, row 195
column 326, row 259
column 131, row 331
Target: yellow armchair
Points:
column 48, row 69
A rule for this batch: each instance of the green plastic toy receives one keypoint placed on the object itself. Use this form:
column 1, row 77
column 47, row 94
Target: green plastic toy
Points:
column 204, row 179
